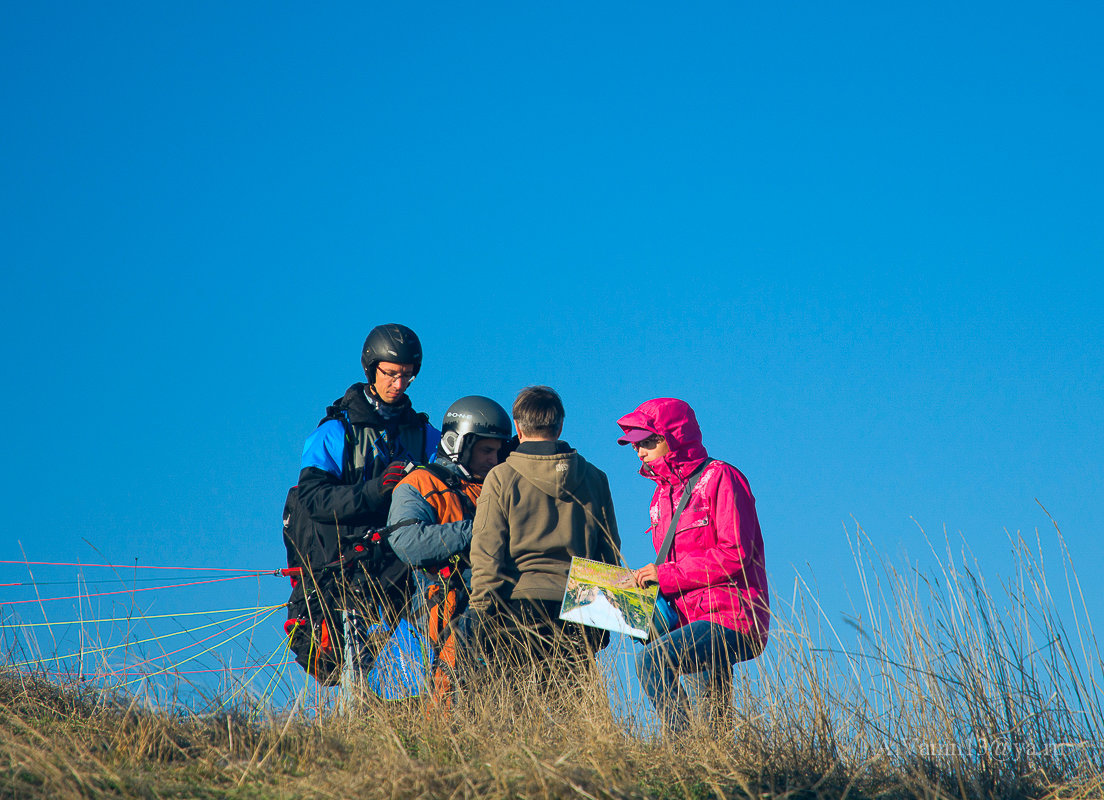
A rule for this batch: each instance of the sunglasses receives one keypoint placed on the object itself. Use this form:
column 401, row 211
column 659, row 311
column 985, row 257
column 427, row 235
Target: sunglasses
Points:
column 650, row 443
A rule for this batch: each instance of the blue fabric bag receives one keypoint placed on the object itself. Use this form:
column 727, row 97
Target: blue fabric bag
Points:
column 402, row 666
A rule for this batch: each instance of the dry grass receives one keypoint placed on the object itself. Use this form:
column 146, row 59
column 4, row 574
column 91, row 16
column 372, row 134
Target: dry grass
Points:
column 939, row 688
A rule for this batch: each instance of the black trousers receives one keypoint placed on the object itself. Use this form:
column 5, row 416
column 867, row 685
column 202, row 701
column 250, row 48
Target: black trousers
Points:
column 526, row 638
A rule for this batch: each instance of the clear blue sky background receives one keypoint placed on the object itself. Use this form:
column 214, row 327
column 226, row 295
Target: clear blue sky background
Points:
column 863, row 241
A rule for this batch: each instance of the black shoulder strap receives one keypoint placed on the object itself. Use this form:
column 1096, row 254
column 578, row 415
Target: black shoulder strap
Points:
column 691, row 482
column 443, row 475
column 452, row 483
column 337, row 412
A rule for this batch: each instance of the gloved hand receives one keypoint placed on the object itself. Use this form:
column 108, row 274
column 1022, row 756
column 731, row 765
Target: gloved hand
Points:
column 395, row 472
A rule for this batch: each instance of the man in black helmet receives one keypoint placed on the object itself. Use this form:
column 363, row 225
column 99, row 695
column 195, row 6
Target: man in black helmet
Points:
column 369, row 439
column 433, row 508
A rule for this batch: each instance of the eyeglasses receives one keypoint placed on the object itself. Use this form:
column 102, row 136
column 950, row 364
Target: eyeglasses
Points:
column 396, row 377
column 650, row 443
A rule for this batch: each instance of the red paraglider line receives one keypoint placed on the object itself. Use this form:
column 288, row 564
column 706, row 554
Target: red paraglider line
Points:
column 133, row 566
column 127, row 591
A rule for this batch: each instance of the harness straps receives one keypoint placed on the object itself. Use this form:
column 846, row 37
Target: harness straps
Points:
column 446, row 599
column 453, row 483
column 387, row 445
column 376, row 536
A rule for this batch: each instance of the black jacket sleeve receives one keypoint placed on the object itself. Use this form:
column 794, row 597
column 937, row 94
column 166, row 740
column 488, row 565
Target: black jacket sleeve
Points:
column 327, row 500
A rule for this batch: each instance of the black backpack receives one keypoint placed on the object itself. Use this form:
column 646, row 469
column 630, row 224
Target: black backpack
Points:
column 332, row 569
column 314, row 625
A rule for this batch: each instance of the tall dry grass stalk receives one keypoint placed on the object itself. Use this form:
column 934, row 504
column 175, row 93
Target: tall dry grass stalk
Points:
column 940, row 685
column 938, row 681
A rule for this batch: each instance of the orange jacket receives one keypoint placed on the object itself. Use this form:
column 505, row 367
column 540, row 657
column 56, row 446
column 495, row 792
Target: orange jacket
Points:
column 443, row 500
column 437, row 524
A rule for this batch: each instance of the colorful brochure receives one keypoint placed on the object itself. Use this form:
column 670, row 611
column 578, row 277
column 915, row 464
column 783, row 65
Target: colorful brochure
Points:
column 593, row 597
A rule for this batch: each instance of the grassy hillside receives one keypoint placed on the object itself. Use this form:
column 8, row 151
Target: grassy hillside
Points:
column 939, row 688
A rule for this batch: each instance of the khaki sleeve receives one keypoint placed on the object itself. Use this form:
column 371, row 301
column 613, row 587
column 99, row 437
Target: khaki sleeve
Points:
column 490, row 540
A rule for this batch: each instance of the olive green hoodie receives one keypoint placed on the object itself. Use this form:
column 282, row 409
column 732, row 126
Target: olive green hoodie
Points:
column 534, row 514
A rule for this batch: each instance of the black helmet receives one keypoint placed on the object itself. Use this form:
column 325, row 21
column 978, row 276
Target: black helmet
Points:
column 395, row 343
column 468, row 419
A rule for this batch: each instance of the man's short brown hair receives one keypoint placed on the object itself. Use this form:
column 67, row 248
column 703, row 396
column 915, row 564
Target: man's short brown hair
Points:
column 538, row 411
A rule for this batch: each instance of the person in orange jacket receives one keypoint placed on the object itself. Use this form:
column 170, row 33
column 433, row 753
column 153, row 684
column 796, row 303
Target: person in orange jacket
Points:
column 433, row 508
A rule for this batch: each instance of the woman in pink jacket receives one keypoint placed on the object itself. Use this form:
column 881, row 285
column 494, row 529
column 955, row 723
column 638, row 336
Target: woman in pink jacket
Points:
column 714, row 575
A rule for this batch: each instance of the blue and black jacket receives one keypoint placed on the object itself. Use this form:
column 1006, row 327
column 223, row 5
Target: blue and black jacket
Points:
column 339, row 481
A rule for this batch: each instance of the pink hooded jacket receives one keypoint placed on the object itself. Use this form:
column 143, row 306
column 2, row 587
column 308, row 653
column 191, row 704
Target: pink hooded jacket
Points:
column 716, row 569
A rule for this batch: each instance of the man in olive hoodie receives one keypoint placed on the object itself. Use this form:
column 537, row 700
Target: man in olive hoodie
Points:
column 540, row 507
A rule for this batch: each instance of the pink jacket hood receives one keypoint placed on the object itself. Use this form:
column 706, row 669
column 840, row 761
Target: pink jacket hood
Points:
column 675, row 421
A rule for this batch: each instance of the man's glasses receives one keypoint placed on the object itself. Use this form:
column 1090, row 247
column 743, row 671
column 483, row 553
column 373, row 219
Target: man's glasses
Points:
column 396, row 377
column 650, row 443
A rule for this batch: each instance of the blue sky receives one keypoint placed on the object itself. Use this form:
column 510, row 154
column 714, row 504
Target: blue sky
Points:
column 864, row 242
